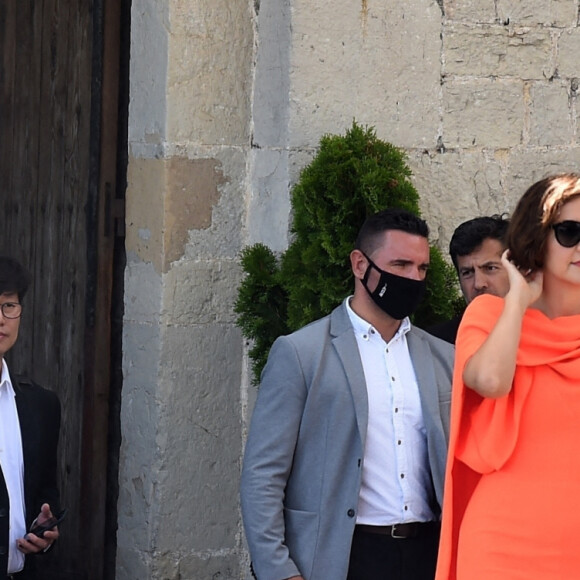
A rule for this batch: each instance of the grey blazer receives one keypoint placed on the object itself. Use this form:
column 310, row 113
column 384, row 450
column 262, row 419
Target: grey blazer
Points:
column 302, row 466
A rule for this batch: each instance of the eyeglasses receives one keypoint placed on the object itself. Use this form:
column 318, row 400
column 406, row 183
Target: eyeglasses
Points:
column 11, row 309
column 567, row 233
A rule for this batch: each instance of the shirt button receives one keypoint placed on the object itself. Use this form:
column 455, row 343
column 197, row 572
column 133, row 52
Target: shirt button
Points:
column 399, row 442
column 393, row 379
column 406, row 508
column 350, row 513
column 402, row 476
column 396, row 409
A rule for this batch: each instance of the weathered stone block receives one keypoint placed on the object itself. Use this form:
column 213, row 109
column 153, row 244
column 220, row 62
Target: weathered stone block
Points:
column 269, row 204
column 272, row 75
column 144, row 210
column 528, row 166
column 149, row 54
column 576, row 106
column 568, row 50
column 470, row 10
column 201, row 292
column 206, row 18
column 223, row 238
column 209, row 76
column 457, row 186
column 132, row 564
column 183, row 194
column 300, row 158
column 380, row 66
column 483, row 113
column 165, row 566
column 143, row 288
column 550, row 119
column 497, row 51
column 192, row 192
column 201, row 446
column 210, row 567
column 138, row 455
column 538, row 12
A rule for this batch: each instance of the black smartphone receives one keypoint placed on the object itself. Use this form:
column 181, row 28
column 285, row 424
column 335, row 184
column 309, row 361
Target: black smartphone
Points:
column 50, row 524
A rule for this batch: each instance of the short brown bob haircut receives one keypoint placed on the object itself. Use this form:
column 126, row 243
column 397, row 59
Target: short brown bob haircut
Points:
column 534, row 215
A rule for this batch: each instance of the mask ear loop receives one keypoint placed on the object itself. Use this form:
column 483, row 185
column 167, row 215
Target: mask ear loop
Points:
column 368, row 271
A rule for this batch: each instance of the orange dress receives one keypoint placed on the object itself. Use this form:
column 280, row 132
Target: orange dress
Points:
column 511, row 509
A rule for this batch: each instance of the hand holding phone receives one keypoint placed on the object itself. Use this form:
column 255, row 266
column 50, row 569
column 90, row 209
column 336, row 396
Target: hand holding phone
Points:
column 39, row 529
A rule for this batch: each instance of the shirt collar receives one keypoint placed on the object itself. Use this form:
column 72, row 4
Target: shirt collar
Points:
column 5, row 382
column 361, row 326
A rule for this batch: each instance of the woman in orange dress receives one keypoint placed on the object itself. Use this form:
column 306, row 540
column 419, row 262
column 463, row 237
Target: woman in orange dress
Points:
column 512, row 497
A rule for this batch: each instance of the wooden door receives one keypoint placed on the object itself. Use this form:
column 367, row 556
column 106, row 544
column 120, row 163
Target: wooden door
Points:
column 59, row 102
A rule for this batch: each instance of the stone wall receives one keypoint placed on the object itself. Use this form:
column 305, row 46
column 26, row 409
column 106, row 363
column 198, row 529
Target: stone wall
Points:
column 229, row 99
column 482, row 94
column 189, row 138
column 508, row 107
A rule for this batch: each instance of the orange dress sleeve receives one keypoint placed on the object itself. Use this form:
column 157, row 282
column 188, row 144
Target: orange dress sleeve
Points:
column 484, row 431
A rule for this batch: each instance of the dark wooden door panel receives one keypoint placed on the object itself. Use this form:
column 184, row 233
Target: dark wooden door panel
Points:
column 58, row 137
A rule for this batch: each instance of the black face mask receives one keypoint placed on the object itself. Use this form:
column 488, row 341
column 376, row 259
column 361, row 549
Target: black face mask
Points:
column 396, row 295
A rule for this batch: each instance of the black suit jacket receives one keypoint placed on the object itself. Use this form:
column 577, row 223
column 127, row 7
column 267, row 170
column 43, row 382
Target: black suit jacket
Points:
column 39, row 417
column 447, row 330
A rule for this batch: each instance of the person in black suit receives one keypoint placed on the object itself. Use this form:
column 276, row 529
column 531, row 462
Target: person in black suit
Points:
column 29, row 431
column 475, row 249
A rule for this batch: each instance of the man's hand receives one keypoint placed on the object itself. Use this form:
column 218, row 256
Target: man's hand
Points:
column 32, row 544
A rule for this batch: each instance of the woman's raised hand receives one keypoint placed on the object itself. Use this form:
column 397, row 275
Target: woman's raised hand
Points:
column 525, row 287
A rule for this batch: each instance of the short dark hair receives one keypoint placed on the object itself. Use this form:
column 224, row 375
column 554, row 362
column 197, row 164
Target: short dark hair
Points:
column 369, row 236
column 536, row 211
column 469, row 235
column 14, row 277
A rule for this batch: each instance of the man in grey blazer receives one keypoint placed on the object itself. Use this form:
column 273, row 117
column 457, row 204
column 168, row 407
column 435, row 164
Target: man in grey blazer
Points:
column 345, row 458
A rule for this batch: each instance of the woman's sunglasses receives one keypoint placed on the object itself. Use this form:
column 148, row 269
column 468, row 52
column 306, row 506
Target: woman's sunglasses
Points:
column 567, row 233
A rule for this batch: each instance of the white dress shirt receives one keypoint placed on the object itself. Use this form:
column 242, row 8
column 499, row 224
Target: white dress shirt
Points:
column 12, row 464
column 396, row 481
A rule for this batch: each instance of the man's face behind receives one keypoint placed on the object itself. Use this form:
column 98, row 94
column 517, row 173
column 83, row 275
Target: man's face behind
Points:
column 481, row 272
column 8, row 326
